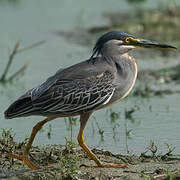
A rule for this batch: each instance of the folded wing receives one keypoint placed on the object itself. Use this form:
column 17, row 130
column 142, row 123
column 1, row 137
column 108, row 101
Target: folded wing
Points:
column 65, row 96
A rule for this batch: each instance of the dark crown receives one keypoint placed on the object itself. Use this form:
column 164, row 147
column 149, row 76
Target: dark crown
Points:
column 118, row 35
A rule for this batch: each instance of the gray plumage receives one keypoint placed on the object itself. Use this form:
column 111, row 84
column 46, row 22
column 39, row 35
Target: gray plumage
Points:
column 82, row 87
column 105, row 78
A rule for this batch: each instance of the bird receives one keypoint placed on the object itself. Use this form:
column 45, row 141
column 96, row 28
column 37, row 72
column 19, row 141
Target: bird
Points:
column 104, row 79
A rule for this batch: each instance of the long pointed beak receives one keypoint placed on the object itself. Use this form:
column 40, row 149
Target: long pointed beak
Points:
column 142, row 43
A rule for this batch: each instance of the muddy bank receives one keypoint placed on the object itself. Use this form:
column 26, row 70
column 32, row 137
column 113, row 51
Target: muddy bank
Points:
column 66, row 162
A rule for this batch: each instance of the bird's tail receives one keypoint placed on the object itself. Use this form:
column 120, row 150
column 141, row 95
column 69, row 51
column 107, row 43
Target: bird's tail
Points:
column 21, row 107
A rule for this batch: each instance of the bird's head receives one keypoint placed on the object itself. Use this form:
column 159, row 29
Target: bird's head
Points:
column 119, row 42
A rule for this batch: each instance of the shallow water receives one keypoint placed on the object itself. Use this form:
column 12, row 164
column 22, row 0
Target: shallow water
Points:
column 156, row 118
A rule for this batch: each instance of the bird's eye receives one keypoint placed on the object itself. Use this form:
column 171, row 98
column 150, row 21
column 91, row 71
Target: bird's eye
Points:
column 127, row 40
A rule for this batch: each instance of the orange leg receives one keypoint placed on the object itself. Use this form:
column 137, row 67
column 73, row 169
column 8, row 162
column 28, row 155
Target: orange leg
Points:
column 24, row 157
column 83, row 120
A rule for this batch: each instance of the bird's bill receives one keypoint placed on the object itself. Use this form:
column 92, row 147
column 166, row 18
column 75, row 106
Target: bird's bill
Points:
column 142, row 43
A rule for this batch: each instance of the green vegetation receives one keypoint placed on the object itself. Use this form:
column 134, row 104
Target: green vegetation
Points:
column 66, row 162
column 147, row 79
column 161, row 23
column 136, row 1
column 10, row 2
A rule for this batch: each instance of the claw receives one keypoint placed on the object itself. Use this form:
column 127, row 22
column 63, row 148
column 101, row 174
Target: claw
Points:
column 25, row 160
column 106, row 166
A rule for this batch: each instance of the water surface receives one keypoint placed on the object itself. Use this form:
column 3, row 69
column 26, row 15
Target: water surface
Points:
column 156, row 119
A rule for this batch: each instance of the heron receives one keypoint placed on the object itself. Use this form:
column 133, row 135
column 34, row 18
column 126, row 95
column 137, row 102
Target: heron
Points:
column 98, row 82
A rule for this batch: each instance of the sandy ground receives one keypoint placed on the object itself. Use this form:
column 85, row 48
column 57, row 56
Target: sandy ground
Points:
column 65, row 162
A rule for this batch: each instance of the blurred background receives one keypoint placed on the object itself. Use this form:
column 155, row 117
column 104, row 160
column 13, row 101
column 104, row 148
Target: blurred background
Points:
column 39, row 37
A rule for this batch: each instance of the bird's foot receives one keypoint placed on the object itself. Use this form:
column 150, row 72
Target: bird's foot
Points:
column 25, row 160
column 106, row 166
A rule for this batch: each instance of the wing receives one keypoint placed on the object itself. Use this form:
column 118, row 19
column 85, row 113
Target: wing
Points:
column 81, row 87
column 74, row 96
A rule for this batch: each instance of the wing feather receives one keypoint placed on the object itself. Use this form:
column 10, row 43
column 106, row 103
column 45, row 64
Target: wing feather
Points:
column 73, row 96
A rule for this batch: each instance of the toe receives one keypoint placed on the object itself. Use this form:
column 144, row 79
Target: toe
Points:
column 25, row 160
column 106, row 166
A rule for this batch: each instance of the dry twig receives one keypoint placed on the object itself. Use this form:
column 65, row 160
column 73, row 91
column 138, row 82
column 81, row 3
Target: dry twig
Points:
column 3, row 77
column 11, row 57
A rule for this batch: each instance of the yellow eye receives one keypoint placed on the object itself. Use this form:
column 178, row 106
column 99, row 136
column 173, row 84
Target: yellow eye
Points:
column 127, row 40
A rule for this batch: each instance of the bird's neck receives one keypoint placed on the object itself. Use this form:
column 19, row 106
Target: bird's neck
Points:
column 125, row 75
column 119, row 59
column 124, row 65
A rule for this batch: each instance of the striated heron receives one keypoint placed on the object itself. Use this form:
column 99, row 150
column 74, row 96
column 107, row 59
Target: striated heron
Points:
column 104, row 79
